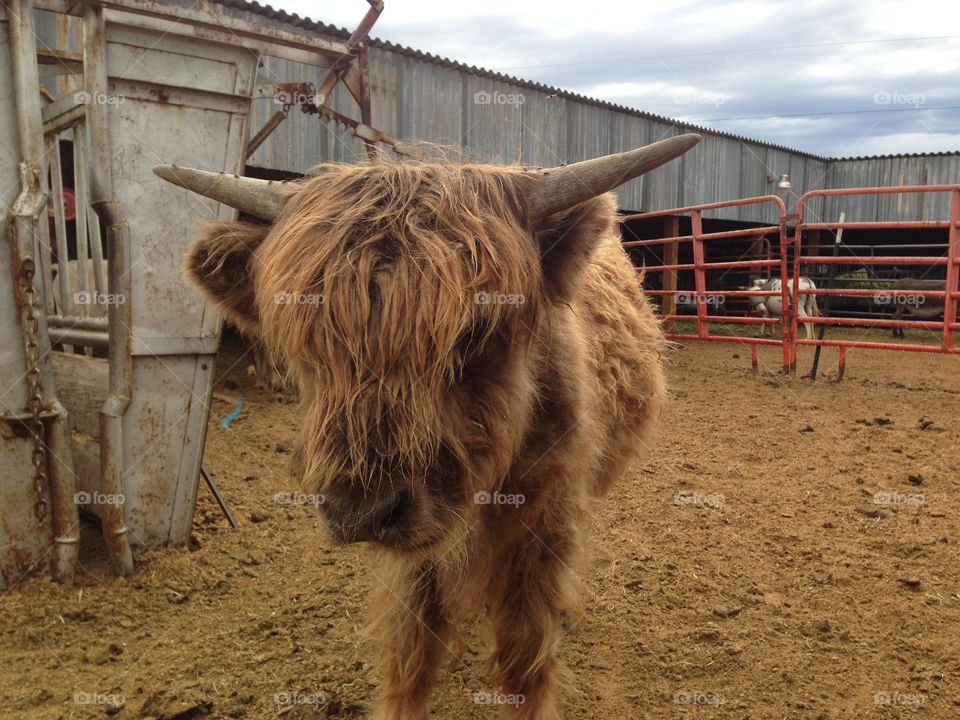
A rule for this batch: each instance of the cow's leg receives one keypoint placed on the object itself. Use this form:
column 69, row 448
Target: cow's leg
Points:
column 898, row 315
column 527, row 611
column 414, row 632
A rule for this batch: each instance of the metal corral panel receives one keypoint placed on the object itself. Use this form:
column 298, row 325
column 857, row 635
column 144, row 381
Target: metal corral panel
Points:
column 25, row 543
column 197, row 119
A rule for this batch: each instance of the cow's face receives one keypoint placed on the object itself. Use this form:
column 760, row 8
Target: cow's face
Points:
column 410, row 303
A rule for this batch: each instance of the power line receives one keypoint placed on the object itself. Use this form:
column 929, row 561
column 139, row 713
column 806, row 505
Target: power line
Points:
column 768, row 48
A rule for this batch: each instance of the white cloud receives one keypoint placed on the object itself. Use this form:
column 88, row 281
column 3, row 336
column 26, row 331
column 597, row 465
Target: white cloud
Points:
column 714, row 62
column 905, row 142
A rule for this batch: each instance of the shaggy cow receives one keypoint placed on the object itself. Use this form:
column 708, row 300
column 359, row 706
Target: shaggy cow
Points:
column 476, row 361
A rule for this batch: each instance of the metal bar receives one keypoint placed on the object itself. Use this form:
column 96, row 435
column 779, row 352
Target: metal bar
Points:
column 801, row 204
column 837, row 240
column 870, row 345
column 788, row 332
column 100, row 174
column 83, row 323
column 950, row 305
column 91, row 221
column 699, row 274
column 706, row 236
column 709, row 206
column 80, row 337
column 870, row 292
column 871, row 322
column 714, row 265
column 29, row 227
column 883, row 260
column 215, row 491
column 886, row 225
column 723, row 293
column 742, row 319
column 727, row 339
column 671, row 227
column 263, row 133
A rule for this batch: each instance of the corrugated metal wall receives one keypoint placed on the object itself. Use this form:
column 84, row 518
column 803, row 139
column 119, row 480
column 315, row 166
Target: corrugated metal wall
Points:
column 889, row 171
column 475, row 117
column 483, row 119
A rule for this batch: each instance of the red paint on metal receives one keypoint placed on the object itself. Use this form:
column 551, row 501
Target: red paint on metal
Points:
column 790, row 290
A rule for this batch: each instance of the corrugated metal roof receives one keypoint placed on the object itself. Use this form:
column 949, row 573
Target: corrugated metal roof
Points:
column 294, row 20
column 949, row 153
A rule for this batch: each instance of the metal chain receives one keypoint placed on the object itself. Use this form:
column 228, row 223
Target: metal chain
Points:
column 35, row 388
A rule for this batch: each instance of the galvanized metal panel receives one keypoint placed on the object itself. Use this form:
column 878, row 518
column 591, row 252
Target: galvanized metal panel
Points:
column 165, row 425
column 422, row 99
column 492, row 113
column 543, row 136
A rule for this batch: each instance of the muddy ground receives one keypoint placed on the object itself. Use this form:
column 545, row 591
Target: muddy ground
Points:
column 788, row 550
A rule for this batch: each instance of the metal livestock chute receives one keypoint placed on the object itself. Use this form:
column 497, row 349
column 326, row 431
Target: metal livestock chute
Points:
column 107, row 356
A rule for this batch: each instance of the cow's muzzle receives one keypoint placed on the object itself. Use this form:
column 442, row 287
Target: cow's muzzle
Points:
column 372, row 518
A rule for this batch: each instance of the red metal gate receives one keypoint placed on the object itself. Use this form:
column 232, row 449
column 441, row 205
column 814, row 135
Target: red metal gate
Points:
column 701, row 295
column 951, row 259
column 788, row 265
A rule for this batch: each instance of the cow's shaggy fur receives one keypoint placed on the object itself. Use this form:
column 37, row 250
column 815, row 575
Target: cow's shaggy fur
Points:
column 451, row 347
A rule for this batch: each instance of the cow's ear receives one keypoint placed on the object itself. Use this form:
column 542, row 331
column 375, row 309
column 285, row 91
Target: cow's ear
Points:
column 567, row 239
column 220, row 263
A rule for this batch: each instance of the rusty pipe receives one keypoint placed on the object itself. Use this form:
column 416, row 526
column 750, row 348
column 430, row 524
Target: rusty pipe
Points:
column 104, row 203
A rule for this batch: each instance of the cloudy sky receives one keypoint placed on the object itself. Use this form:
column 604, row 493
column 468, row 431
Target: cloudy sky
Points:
column 861, row 77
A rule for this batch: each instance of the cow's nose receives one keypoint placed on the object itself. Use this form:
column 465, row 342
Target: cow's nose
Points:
column 379, row 519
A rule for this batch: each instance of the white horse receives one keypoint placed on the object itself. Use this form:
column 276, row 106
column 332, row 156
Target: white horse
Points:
column 772, row 305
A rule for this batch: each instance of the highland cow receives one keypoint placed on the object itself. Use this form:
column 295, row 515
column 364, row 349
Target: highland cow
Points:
column 477, row 364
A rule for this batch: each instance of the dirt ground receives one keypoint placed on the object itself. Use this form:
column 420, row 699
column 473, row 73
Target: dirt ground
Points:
column 788, row 550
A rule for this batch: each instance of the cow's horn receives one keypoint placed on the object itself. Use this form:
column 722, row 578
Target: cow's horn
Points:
column 261, row 198
column 566, row 186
